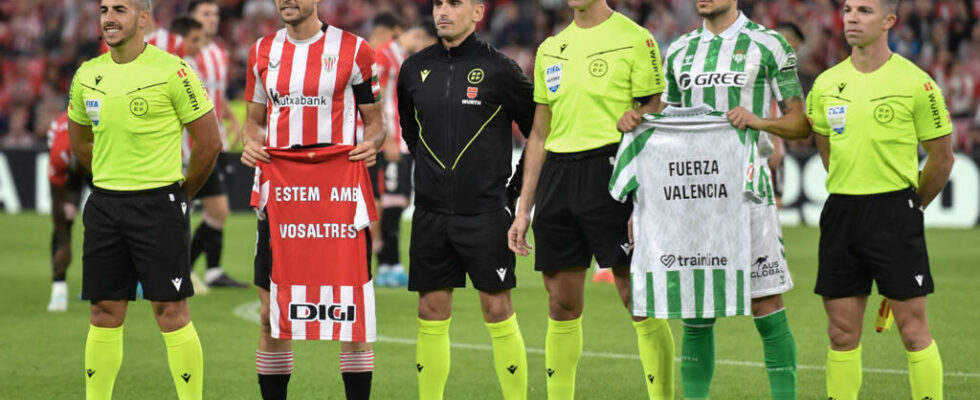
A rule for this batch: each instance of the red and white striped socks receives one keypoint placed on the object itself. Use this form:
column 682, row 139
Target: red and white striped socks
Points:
column 274, row 363
column 356, row 361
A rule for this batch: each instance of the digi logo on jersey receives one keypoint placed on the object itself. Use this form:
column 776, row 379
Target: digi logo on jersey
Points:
column 322, row 312
column 712, row 79
column 299, row 101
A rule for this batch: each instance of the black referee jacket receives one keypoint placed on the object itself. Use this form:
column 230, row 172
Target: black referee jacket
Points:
column 456, row 109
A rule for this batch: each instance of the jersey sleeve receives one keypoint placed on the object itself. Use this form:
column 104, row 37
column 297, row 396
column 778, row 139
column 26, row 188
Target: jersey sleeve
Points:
column 260, row 188
column 931, row 117
column 365, row 212
column 59, row 154
column 672, row 94
column 783, row 77
column 187, row 93
column 814, row 111
column 623, row 181
column 540, row 86
column 76, row 102
column 406, row 107
column 364, row 78
column 646, row 76
column 519, row 93
column 254, row 87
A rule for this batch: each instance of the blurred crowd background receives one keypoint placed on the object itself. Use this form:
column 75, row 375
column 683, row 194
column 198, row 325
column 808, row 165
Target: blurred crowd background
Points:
column 42, row 42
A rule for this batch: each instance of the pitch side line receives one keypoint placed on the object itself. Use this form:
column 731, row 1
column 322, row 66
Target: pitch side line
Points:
column 250, row 312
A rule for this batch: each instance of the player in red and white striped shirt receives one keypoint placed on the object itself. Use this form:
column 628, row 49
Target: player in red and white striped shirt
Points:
column 304, row 86
column 396, row 166
column 211, row 64
column 66, row 178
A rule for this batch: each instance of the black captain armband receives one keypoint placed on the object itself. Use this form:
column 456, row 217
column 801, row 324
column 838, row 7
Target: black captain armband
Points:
column 643, row 100
column 363, row 94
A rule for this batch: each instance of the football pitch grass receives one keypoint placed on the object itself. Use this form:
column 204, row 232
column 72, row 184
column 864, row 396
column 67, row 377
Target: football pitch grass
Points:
column 43, row 354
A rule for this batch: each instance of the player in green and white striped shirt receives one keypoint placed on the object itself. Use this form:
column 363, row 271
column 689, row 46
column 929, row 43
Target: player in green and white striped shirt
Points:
column 736, row 66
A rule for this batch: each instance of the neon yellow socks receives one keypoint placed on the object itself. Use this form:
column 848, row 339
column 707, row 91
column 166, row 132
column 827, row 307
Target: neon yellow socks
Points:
column 103, row 357
column 509, row 357
column 780, row 352
column 432, row 358
column 844, row 374
column 562, row 349
column 657, row 355
column 926, row 373
column 697, row 357
column 186, row 362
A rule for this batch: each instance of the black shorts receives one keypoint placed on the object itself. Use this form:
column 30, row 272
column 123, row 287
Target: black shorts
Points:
column 215, row 185
column 444, row 248
column 262, row 265
column 873, row 238
column 141, row 235
column 575, row 217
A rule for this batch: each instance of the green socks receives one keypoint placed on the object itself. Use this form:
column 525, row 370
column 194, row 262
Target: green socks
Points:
column 103, row 357
column 780, row 352
column 432, row 358
column 697, row 357
column 509, row 357
column 926, row 373
column 844, row 374
column 186, row 362
column 562, row 349
column 657, row 356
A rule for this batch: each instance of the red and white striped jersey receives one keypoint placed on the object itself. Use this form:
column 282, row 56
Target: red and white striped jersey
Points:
column 307, row 86
column 390, row 57
column 59, row 151
column 163, row 39
column 212, row 68
column 318, row 203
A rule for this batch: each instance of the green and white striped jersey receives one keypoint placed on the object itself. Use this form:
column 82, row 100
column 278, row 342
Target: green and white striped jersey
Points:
column 747, row 65
column 691, row 221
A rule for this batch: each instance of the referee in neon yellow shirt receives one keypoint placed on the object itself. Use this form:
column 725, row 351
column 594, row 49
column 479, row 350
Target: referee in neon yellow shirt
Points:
column 126, row 114
column 870, row 113
column 585, row 78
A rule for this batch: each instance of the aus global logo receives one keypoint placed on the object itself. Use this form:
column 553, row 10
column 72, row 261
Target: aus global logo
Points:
column 764, row 266
column 322, row 312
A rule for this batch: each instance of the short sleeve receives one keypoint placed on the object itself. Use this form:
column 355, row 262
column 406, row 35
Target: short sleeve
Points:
column 646, row 76
column 672, row 95
column 254, row 86
column 365, row 69
column 931, row 117
column 623, row 181
column 76, row 102
column 540, row 86
column 187, row 94
column 814, row 112
column 783, row 76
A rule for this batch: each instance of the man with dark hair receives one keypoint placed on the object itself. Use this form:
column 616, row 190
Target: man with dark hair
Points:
column 870, row 113
column 329, row 60
column 212, row 65
column 126, row 112
column 393, row 178
column 459, row 100
column 192, row 33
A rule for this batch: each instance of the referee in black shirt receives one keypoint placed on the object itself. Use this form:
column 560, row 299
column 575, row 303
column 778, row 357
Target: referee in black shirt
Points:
column 457, row 100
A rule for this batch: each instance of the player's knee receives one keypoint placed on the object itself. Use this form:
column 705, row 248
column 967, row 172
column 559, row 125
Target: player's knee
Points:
column 497, row 311
column 767, row 305
column 171, row 315
column 434, row 309
column 266, row 325
column 842, row 337
column 915, row 336
column 562, row 309
column 105, row 316
column 354, row 346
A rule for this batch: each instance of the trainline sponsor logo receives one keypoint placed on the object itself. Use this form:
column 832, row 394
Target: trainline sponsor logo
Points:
column 697, row 260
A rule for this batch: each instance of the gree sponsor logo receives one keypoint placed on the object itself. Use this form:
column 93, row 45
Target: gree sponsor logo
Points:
column 712, row 79
column 279, row 100
column 322, row 312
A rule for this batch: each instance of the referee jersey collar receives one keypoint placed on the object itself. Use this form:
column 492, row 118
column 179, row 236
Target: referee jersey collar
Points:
column 729, row 33
column 467, row 47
